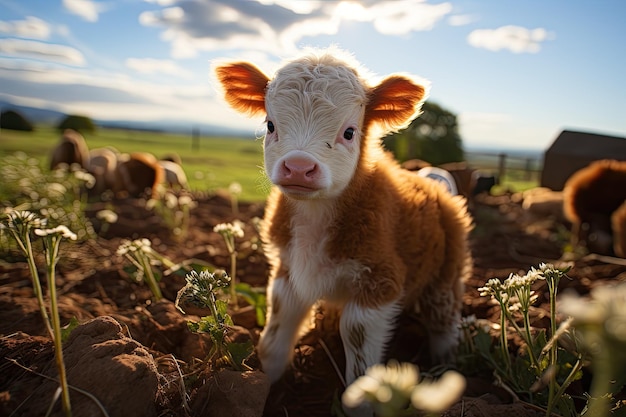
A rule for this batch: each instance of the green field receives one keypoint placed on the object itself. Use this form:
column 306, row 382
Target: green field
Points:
column 215, row 164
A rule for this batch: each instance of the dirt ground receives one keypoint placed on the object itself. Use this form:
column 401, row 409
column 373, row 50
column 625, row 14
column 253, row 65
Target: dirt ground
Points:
column 131, row 354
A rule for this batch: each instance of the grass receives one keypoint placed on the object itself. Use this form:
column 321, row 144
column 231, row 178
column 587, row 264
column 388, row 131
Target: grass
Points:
column 215, row 164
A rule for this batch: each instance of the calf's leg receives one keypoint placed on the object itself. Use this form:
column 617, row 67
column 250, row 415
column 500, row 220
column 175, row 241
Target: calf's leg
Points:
column 285, row 318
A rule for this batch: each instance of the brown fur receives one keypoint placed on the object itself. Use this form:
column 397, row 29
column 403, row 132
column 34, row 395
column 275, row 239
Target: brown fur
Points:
column 618, row 222
column 590, row 197
column 408, row 233
column 139, row 174
column 72, row 149
column 103, row 166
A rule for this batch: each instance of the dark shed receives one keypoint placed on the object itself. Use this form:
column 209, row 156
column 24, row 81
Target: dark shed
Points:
column 572, row 151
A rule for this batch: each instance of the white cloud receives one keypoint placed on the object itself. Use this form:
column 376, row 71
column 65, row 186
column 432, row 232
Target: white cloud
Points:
column 31, row 27
column 461, row 19
column 162, row 2
column 278, row 26
column 87, row 9
column 156, row 66
column 106, row 95
column 514, row 38
column 403, row 17
column 21, row 48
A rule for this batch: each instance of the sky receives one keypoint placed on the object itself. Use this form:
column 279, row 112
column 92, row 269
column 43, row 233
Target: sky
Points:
column 516, row 73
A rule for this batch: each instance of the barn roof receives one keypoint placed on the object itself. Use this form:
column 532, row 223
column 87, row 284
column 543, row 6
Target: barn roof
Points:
column 589, row 144
column 572, row 151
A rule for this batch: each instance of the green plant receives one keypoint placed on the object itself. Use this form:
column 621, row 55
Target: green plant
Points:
column 57, row 195
column 229, row 231
column 140, row 253
column 541, row 360
column 20, row 224
column 200, row 290
column 601, row 322
column 174, row 210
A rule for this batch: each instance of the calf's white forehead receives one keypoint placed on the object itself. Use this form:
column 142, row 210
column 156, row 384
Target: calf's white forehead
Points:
column 314, row 93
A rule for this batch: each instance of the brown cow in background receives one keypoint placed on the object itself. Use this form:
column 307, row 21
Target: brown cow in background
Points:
column 72, row 149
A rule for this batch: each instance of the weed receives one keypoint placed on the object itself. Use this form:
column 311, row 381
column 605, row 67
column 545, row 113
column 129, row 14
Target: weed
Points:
column 200, row 290
column 229, row 231
column 56, row 195
column 601, row 322
column 140, row 253
column 20, row 224
column 544, row 370
column 174, row 210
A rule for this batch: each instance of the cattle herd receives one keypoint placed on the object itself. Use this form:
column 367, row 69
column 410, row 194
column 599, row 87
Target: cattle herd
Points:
column 123, row 174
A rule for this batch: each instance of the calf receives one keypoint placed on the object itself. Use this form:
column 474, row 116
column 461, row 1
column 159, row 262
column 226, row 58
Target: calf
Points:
column 72, row 149
column 174, row 175
column 344, row 222
column 591, row 196
column 103, row 166
column 138, row 174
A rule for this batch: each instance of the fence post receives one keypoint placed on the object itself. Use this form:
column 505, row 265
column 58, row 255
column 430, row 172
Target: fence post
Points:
column 527, row 172
column 501, row 167
column 195, row 139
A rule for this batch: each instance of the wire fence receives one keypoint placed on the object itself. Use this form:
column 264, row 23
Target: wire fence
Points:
column 507, row 167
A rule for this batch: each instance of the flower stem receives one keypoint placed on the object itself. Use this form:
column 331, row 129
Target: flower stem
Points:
column 151, row 280
column 233, row 273
column 28, row 251
column 51, row 258
column 504, row 344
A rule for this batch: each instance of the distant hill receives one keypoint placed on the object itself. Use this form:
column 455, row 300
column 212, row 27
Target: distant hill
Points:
column 52, row 117
column 33, row 114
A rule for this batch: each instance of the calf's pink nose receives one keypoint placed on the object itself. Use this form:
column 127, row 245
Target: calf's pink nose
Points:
column 299, row 168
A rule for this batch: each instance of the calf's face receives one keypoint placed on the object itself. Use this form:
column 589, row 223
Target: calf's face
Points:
column 314, row 120
column 318, row 111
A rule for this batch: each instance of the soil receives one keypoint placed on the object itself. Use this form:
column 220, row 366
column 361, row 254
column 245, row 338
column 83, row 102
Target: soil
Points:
column 134, row 357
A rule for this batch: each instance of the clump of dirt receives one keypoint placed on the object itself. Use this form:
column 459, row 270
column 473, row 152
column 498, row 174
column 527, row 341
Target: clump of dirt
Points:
column 138, row 358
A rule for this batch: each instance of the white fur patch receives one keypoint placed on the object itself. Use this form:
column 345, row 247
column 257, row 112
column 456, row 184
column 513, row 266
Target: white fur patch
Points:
column 365, row 332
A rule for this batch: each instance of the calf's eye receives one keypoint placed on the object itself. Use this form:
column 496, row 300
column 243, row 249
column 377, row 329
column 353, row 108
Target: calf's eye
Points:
column 349, row 133
column 270, row 126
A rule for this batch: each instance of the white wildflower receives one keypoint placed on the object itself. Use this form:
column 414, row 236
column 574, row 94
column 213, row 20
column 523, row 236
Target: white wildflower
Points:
column 438, row 396
column 61, row 230
column 56, row 188
column 185, row 200
column 234, row 188
column 106, row 215
column 86, row 177
column 233, row 229
column 389, row 385
column 171, row 201
column 19, row 218
column 150, row 204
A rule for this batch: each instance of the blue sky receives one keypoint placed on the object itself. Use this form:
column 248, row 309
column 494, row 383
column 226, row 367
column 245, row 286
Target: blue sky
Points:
column 515, row 73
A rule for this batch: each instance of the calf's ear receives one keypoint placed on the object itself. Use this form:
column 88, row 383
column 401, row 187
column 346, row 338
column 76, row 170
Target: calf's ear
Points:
column 395, row 102
column 244, row 86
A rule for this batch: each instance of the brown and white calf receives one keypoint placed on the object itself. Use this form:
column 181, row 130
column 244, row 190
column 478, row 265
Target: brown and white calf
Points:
column 344, row 223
